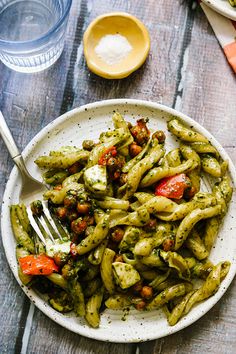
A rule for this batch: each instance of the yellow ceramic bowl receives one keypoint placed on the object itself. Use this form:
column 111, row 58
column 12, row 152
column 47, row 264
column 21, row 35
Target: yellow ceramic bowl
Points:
column 126, row 25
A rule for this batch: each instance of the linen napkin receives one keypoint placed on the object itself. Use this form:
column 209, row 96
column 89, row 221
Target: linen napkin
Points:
column 225, row 31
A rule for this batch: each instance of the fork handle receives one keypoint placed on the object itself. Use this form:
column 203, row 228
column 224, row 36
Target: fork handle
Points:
column 12, row 148
column 7, row 138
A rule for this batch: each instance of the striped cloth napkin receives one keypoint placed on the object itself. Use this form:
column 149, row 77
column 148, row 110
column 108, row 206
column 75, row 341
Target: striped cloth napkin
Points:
column 225, row 31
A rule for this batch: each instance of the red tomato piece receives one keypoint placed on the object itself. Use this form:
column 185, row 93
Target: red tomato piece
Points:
column 79, row 225
column 110, row 152
column 38, row 265
column 173, row 187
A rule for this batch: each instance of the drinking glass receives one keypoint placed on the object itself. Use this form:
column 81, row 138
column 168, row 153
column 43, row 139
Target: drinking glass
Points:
column 32, row 33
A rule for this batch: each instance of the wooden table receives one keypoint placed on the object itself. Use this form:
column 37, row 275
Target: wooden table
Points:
column 187, row 70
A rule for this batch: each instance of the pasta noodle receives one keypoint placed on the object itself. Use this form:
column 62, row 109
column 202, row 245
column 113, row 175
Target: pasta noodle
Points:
column 232, row 2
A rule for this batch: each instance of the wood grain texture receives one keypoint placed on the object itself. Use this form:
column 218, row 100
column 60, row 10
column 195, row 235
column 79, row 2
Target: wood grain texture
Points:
column 186, row 69
column 69, row 342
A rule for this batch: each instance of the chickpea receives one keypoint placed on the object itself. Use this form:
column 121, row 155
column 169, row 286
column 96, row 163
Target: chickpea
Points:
column 88, row 145
column 140, row 305
column 70, row 201
column 61, row 213
column 36, row 207
column 146, row 292
column 83, row 208
column 117, row 234
column 160, row 136
column 134, row 149
column 111, row 161
column 168, row 244
column 78, row 226
column 140, row 132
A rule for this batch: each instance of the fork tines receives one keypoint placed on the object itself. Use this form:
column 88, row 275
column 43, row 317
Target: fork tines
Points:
column 45, row 225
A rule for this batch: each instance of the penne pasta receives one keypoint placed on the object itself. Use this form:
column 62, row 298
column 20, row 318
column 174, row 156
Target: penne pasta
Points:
column 106, row 270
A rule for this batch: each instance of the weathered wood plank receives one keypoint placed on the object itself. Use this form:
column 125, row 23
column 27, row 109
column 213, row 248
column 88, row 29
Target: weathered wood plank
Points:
column 185, row 69
column 60, row 340
column 209, row 84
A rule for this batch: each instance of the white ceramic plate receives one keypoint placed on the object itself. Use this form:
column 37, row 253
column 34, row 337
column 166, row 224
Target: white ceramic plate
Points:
column 72, row 128
column 223, row 7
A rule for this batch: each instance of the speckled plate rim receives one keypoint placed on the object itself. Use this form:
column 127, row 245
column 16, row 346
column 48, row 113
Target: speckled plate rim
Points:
column 112, row 334
column 223, row 7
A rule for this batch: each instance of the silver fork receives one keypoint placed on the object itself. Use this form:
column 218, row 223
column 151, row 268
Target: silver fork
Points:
column 31, row 190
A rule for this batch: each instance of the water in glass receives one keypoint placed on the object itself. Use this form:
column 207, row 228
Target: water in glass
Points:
column 32, row 32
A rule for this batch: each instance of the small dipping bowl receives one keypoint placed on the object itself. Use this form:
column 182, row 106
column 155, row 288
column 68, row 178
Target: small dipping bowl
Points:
column 125, row 25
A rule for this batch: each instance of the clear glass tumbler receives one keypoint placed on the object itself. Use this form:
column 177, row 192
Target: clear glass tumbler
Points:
column 32, row 33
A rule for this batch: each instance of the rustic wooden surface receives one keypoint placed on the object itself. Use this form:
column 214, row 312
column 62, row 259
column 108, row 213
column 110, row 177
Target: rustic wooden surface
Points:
column 186, row 69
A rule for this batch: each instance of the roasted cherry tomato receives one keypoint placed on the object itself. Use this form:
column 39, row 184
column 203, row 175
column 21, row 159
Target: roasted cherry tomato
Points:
column 173, row 187
column 140, row 132
column 110, row 152
column 38, row 265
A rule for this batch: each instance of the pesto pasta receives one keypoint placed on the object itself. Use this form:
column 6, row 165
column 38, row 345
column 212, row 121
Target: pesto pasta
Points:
column 139, row 228
column 232, row 3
